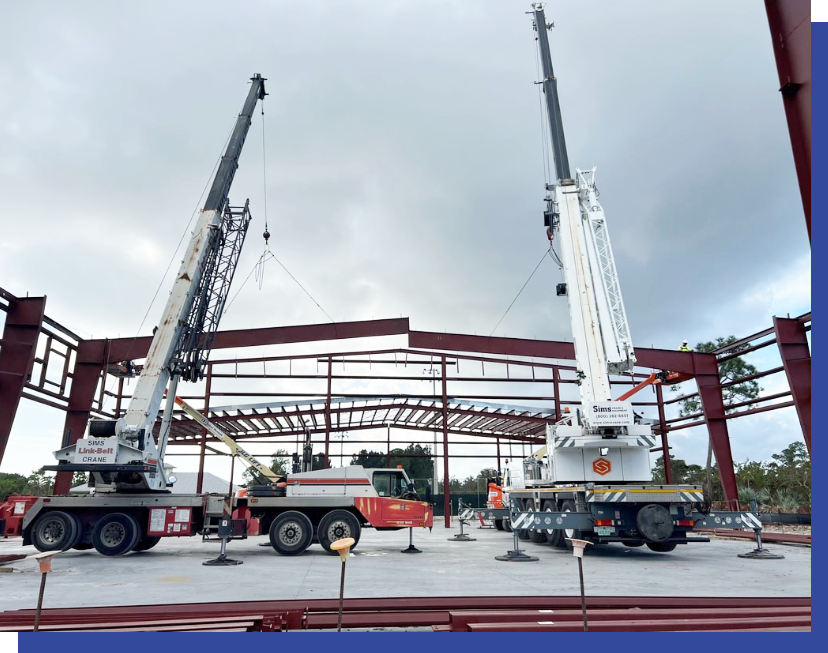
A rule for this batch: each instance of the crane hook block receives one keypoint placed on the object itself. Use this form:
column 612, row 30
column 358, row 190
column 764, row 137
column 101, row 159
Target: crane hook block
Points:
column 266, row 236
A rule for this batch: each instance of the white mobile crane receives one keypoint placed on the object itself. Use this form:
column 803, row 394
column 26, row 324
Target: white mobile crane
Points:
column 594, row 479
column 132, row 507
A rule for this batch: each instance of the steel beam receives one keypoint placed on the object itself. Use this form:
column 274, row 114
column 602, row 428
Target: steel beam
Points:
column 710, row 393
column 491, row 345
column 796, row 359
column 24, row 318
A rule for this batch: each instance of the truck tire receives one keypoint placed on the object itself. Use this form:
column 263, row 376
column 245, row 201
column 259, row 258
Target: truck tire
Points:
column 555, row 537
column 661, row 547
column 654, row 522
column 116, row 534
column 571, row 533
column 507, row 524
column 498, row 524
column 146, row 543
column 336, row 525
column 56, row 531
column 291, row 533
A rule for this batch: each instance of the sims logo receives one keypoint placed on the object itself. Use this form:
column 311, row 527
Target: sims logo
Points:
column 601, row 466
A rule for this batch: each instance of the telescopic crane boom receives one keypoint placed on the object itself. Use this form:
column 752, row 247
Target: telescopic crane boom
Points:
column 575, row 218
column 123, row 454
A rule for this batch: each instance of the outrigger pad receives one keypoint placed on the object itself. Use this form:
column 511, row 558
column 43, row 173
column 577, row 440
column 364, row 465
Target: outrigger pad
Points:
column 462, row 538
column 516, row 556
column 222, row 561
column 762, row 554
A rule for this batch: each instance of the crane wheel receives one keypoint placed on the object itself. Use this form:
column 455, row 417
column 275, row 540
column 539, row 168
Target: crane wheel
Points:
column 661, row 547
column 146, row 543
column 56, row 531
column 291, row 533
column 116, row 534
column 498, row 524
column 336, row 525
column 555, row 537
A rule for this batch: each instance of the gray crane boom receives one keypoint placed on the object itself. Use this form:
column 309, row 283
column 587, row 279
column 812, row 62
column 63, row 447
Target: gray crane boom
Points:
column 131, row 459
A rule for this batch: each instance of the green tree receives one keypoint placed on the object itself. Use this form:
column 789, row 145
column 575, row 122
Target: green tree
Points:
column 370, row 459
column 792, row 471
column 40, row 483
column 415, row 460
column 11, row 484
column 730, row 371
column 279, row 464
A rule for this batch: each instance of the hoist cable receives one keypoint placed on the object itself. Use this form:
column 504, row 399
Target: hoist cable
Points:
column 521, row 290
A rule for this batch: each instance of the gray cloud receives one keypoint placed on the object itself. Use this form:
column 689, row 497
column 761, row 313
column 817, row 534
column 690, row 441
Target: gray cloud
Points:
column 404, row 159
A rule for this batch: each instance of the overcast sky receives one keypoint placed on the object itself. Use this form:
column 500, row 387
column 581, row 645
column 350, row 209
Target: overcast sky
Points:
column 404, row 168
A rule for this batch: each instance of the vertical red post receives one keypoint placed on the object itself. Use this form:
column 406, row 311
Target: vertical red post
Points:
column 796, row 359
column 203, row 453
column 665, row 447
column 498, row 455
column 446, row 482
column 710, row 393
column 328, row 413
column 790, row 29
column 89, row 365
column 17, row 354
column 388, row 455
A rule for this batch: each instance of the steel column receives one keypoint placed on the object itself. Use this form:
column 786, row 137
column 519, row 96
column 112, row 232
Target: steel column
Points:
column 796, row 359
column 206, row 413
column 446, row 482
column 556, row 388
column 665, row 447
column 710, row 394
column 498, row 462
column 328, row 413
column 89, row 365
column 790, row 28
column 17, row 354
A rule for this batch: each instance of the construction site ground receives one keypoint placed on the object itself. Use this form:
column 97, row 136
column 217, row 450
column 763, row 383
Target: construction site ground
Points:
column 173, row 572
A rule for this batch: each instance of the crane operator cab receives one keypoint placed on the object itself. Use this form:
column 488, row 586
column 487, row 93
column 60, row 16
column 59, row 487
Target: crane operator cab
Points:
column 393, row 483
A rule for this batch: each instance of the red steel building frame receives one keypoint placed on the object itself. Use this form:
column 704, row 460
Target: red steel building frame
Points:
column 93, row 360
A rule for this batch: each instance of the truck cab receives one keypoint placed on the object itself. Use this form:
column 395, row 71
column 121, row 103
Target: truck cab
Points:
column 390, row 482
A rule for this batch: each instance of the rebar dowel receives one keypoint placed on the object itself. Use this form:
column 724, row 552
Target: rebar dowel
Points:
column 39, row 602
column 341, row 595
column 583, row 598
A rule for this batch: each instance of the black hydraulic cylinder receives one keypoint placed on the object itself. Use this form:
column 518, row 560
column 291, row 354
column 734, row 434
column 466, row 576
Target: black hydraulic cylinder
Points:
column 550, row 89
column 217, row 198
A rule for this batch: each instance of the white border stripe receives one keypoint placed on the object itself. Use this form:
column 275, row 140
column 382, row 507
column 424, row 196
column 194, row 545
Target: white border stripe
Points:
column 819, row 11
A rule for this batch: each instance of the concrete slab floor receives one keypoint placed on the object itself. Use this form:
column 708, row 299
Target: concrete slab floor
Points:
column 172, row 572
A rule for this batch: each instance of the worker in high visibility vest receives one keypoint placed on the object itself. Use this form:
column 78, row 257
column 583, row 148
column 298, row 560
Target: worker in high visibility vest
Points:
column 684, row 346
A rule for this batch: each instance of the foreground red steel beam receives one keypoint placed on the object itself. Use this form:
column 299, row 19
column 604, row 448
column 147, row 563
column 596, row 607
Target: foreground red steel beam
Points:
column 651, row 613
